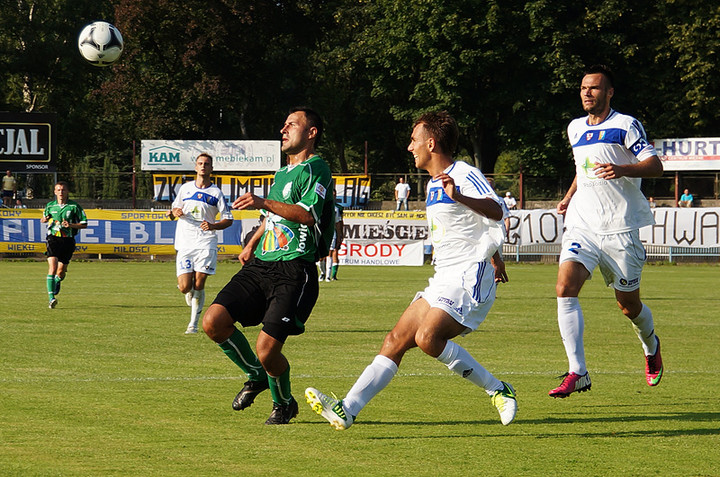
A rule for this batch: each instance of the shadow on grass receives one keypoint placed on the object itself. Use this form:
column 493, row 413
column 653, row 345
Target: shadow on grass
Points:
column 522, row 425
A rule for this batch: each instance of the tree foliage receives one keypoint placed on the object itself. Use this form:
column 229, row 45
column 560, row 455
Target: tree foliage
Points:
column 229, row 69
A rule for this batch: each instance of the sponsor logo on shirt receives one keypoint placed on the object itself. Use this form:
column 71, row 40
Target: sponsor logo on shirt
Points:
column 277, row 238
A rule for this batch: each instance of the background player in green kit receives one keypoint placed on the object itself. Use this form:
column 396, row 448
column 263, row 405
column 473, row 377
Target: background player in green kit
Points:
column 278, row 283
column 64, row 218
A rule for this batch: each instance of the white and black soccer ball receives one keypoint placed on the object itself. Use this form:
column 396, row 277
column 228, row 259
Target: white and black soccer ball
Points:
column 100, row 43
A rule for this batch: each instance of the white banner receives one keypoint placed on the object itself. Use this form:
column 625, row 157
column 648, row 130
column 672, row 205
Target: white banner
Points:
column 386, row 253
column 676, row 227
column 244, row 156
column 689, row 154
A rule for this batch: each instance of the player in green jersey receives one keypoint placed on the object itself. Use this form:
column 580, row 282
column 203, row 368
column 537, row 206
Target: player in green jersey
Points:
column 278, row 283
column 64, row 218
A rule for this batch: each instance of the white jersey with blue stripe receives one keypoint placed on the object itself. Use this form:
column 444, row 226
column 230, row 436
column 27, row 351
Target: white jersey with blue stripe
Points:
column 608, row 206
column 198, row 205
column 460, row 235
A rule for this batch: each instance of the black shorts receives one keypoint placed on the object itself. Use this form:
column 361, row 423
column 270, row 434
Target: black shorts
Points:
column 280, row 295
column 60, row 247
column 7, row 193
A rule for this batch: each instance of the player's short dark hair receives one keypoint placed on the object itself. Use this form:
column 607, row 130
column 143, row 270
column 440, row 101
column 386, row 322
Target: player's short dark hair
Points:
column 62, row 183
column 603, row 70
column 204, row 154
column 442, row 127
column 313, row 119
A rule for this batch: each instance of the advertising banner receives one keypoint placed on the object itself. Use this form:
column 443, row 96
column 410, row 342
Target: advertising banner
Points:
column 675, row 227
column 28, row 142
column 244, row 156
column 381, row 237
column 387, row 253
column 689, row 154
column 370, row 237
column 114, row 232
column 350, row 191
column 378, row 237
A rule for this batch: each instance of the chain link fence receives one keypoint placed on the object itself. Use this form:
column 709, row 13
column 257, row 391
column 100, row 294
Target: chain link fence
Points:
column 127, row 190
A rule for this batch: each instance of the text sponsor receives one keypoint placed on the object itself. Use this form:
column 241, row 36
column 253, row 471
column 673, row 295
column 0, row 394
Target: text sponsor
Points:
column 365, row 252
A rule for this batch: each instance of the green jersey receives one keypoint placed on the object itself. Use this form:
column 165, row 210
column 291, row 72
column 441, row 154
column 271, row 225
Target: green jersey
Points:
column 308, row 185
column 70, row 211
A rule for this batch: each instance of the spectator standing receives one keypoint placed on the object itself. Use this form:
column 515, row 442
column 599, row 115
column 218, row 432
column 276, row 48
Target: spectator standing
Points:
column 402, row 193
column 510, row 201
column 9, row 188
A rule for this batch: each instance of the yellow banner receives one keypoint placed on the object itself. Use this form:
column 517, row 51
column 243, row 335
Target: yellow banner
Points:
column 116, row 231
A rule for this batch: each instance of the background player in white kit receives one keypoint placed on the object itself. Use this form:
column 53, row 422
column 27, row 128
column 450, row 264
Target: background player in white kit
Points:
column 465, row 219
column 604, row 210
column 197, row 205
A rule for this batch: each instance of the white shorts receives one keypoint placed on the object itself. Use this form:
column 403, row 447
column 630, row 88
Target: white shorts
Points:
column 203, row 261
column 621, row 256
column 466, row 293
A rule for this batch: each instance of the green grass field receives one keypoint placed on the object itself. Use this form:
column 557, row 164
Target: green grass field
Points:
column 108, row 384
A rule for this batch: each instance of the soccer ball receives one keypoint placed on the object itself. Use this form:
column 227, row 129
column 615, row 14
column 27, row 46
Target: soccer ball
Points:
column 100, row 43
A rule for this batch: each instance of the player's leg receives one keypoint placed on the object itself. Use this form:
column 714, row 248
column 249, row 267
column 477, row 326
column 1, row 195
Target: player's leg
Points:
column 433, row 337
column 375, row 377
column 276, row 365
column 220, row 327
column 50, row 279
column 380, row 372
column 471, row 290
column 641, row 318
column 336, row 263
column 61, row 273
column 197, row 301
column 241, row 300
column 328, row 267
column 184, row 269
column 321, row 265
column 622, row 267
column 571, row 277
column 295, row 292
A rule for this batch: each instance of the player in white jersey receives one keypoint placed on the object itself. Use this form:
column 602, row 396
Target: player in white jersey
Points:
column 604, row 210
column 197, row 205
column 465, row 219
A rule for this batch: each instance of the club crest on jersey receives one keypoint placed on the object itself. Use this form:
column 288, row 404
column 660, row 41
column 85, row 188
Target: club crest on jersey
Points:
column 588, row 136
column 286, row 190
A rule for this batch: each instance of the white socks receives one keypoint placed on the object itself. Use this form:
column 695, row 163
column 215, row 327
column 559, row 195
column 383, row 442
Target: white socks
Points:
column 328, row 269
column 197, row 303
column 645, row 329
column 373, row 380
column 572, row 326
column 458, row 360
